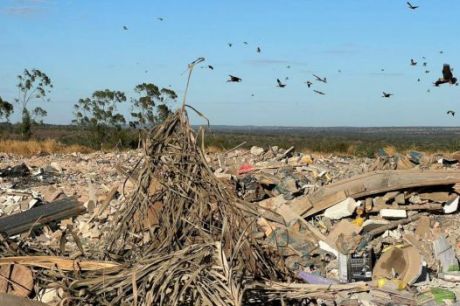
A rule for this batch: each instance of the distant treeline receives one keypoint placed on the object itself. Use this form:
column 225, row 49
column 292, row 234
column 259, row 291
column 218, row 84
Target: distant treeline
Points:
column 352, row 141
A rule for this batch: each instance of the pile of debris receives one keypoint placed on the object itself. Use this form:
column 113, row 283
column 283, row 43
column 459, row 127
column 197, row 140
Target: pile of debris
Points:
column 176, row 226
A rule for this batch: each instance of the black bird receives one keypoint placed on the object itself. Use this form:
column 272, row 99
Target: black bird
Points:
column 288, row 66
column 382, row 70
column 418, row 80
column 427, row 71
column 428, row 90
column 125, row 28
column 146, row 71
column 320, row 79
column 319, row 92
column 412, row 62
column 210, row 67
column 308, row 83
column 340, row 71
column 441, row 52
column 424, row 64
column 258, row 50
column 412, row 7
column 245, row 42
column 230, row 45
column 447, row 76
column 160, row 18
column 386, row 95
column 252, row 95
column 451, row 112
column 281, row 85
column 233, row 79
column 286, row 78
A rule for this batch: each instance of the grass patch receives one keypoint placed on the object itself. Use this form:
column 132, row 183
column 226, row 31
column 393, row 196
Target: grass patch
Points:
column 31, row 147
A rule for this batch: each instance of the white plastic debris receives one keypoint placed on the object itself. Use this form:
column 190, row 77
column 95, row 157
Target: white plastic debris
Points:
column 451, row 206
column 341, row 210
column 326, row 247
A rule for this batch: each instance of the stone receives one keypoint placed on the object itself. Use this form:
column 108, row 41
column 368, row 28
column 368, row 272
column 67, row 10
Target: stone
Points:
column 56, row 167
column 400, row 199
column 257, row 151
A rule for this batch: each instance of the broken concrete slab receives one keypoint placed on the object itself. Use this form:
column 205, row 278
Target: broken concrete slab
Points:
column 343, row 209
column 445, row 254
column 393, row 213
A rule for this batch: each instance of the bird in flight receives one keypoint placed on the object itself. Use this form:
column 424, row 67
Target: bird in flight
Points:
column 451, row 112
column 319, row 92
column 160, row 18
column 441, row 52
column 320, row 79
column 258, row 50
column 412, row 7
column 418, row 80
column 230, row 45
column 412, row 62
column 125, row 28
column 280, row 85
column 308, row 83
column 211, row 67
column 447, row 76
column 424, row 64
column 245, row 42
column 233, row 78
column 386, row 95
column 427, row 71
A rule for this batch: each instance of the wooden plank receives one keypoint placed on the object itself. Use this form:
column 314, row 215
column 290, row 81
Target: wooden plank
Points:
column 9, row 299
column 373, row 183
column 41, row 215
column 16, row 279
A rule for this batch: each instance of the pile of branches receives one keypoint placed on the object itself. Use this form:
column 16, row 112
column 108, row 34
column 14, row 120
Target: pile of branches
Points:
column 186, row 239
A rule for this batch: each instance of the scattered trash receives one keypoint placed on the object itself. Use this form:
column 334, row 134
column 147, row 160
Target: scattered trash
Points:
column 88, row 226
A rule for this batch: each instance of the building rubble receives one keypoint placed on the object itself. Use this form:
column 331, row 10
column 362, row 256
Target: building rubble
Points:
column 258, row 226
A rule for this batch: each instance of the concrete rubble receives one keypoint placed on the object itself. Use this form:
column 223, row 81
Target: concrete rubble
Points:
column 398, row 235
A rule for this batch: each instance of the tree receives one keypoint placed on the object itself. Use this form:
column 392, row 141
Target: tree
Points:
column 98, row 115
column 6, row 109
column 150, row 108
column 37, row 115
column 33, row 85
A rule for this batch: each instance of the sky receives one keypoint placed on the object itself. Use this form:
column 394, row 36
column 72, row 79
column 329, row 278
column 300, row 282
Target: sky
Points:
column 82, row 46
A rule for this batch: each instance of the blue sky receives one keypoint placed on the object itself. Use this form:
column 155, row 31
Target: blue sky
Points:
column 82, row 46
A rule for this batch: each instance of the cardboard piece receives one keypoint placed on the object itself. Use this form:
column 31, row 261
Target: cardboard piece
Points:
column 404, row 264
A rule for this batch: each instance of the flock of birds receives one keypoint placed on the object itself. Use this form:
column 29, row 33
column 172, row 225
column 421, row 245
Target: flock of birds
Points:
column 447, row 75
